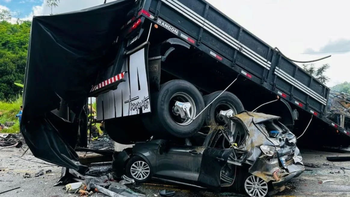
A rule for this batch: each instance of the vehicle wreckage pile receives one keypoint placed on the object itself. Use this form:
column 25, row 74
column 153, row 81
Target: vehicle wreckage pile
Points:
column 252, row 153
column 339, row 108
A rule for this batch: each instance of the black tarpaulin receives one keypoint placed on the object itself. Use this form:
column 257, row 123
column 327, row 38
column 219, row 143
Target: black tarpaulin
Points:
column 66, row 51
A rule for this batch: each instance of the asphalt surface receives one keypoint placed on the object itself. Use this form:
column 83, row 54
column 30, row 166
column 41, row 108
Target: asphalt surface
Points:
column 321, row 178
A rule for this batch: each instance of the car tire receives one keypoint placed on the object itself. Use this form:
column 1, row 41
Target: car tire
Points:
column 136, row 163
column 262, row 187
column 225, row 102
column 163, row 121
column 126, row 130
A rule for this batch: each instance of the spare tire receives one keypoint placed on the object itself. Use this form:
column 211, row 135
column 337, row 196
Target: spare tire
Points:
column 165, row 120
column 126, row 130
column 225, row 102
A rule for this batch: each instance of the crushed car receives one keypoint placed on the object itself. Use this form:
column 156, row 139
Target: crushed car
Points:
column 251, row 153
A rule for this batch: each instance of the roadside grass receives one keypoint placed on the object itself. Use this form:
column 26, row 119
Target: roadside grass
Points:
column 8, row 113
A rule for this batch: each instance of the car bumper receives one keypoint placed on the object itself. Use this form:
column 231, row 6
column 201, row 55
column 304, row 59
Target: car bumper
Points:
column 294, row 171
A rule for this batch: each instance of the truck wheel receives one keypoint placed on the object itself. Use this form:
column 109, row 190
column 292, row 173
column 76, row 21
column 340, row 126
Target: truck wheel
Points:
column 166, row 118
column 126, row 130
column 225, row 102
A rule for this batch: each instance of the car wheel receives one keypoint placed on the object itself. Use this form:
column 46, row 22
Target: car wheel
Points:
column 126, row 130
column 225, row 102
column 255, row 186
column 138, row 169
column 166, row 118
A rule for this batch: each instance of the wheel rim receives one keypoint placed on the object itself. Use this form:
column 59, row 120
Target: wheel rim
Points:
column 223, row 107
column 255, row 186
column 185, row 98
column 140, row 170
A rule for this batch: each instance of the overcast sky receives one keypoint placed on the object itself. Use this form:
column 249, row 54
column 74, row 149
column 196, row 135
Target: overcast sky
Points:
column 301, row 29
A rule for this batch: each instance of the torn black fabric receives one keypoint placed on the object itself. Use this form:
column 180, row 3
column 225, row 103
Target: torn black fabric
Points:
column 66, row 53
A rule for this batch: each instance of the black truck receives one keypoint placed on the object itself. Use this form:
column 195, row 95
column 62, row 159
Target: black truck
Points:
column 161, row 68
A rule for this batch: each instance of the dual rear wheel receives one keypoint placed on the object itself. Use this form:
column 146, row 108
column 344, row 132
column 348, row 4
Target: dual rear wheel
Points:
column 174, row 113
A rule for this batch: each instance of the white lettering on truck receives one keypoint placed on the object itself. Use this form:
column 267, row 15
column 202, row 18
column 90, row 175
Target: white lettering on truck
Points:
column 167, row 26
column 132, row 96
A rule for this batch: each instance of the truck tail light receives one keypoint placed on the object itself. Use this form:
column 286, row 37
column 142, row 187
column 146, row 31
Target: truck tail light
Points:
column 145, row 13
column 136, row 24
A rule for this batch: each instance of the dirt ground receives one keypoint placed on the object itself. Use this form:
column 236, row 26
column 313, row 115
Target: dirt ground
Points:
column 321, row 178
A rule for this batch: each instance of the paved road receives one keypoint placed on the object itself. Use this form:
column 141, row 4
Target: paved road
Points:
column 322, row 178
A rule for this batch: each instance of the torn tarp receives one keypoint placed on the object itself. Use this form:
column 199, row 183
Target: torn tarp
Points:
column 66, row 51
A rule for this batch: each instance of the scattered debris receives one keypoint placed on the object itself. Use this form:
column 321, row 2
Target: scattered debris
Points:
column 339, row 158
column 325, row 181
column 40, row 173
column 9, row 190
column 74, row 187
column 126, row 180
column 311, row 165
column 166, row 193
column 10, row 140
column 48, row 171
column 27, row 175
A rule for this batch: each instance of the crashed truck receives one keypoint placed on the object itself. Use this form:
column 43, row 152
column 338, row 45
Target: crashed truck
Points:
column 160, row 69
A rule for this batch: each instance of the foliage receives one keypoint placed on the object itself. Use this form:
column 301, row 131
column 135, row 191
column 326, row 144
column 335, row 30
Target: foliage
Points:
column 8, row 113
column 52, row 4
column 318, row 73
column 5, row 15
column 14, row 39
column 343, row 87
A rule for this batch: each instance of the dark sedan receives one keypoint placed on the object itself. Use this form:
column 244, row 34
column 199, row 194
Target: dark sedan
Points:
column 252, row 153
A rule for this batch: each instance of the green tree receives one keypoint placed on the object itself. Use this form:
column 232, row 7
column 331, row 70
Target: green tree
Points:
column 52, row 4
column 14, row 39
column 5, row 15
column 318, row 73
column 342, row 87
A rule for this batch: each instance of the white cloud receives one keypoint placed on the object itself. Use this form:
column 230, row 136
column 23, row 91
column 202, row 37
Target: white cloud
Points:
column 294, row 26
column 67, row 6
column 12, row 19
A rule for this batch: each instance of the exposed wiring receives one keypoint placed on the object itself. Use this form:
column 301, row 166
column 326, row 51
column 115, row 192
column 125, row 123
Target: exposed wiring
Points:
column 215, row 98
column 297, row 61
column 306, row 127
column 278, row 98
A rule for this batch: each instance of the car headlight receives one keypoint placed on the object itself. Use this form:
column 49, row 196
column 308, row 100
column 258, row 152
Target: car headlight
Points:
column 268, row 150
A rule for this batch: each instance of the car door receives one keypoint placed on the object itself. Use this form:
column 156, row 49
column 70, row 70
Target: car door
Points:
column 180, row 162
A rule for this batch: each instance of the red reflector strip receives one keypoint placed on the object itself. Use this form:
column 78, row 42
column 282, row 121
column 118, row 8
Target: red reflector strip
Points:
column 187, row 38
column 334, row 125
column 246, row 74
column 299, row 104
column 314, row 113
column 215, row 55
column 282, row 94
column 136, row 24
column 108, row 81
column 145, row 13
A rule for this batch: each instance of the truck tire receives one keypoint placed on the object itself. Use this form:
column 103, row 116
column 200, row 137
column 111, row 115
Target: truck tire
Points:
column 126, row 130
column 225, row 102
column 164, row 121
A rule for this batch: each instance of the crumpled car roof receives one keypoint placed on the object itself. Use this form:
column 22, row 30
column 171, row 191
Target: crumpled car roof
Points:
column 253, row 117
